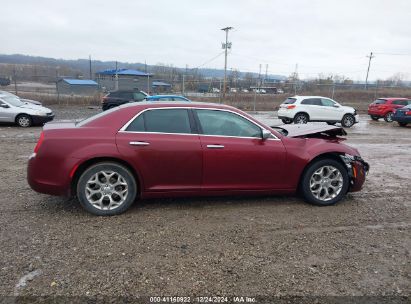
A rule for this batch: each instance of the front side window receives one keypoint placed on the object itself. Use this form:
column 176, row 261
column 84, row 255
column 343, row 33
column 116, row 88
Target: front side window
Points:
column 162, row 121
column 327, row 102
column 138, row 96
column 214, row 122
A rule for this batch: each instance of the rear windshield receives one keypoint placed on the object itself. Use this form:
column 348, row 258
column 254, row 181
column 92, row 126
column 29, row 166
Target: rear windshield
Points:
column 289, row 100
column 380, row 101
column 94, row 117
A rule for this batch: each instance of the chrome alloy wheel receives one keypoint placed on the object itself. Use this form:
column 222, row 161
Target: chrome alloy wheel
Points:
column 349, row 121
column 106, row 190
column 326, row 183
column 301, row 119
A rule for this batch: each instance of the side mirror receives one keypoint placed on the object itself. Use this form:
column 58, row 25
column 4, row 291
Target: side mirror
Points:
column 265, row 134
column 336, row 106
column 4, row 106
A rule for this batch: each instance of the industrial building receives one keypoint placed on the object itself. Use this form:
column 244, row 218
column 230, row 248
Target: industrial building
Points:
column 124, row 79
column 82, row 87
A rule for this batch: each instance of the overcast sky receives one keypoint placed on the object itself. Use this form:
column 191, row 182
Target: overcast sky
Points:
column 328, row 36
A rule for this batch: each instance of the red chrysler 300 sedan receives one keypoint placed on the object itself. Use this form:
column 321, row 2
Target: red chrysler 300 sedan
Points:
column 189, row 149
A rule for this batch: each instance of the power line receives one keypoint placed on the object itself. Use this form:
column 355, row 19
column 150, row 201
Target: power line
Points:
column 210, row 60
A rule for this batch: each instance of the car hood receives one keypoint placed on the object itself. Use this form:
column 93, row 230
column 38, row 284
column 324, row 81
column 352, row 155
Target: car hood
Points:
column 311, row 130
column 31, row 101
column 35, row 107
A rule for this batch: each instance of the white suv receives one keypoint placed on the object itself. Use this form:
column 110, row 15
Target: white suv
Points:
column 302, row 109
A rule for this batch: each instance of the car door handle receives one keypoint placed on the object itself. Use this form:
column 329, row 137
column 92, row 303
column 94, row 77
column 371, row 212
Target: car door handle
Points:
column 215, row 146
column 139, row 143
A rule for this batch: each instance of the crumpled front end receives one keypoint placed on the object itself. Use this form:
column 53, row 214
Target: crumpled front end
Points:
column 357, row 171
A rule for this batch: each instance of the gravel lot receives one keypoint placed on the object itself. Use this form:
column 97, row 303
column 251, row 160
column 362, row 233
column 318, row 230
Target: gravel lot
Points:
column 211, row 246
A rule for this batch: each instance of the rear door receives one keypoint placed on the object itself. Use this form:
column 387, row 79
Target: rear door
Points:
column 313, row 106
column 235, row 155
column 164, row 148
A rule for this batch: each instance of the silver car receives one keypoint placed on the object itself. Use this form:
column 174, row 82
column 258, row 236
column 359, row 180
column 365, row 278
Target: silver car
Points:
column 15, row 110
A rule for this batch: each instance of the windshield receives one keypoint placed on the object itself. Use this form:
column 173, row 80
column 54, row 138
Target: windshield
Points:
column 14, row 101
column 94, row 117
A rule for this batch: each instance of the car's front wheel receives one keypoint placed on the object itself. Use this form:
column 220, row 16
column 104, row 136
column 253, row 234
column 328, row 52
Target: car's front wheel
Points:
column 106, row 189
column 373, row 117
column 24, row 121
column 348, row 121
column 301, row 118
column 388, row 117
column 287, row 121
column 325, row 182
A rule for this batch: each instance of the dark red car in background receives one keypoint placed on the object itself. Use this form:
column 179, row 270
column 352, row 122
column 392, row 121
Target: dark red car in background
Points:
column 189, row 149
column 385, row 107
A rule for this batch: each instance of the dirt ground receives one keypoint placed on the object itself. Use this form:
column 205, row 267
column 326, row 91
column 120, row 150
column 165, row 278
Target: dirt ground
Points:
column 247, row 246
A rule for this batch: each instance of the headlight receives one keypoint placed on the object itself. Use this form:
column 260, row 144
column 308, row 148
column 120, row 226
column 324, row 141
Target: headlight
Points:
column 40, row 113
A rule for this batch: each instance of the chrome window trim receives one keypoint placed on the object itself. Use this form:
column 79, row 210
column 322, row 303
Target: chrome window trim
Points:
column 123, row 129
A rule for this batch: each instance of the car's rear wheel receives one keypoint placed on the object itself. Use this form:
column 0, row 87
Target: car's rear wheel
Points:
column 24, row 120
column 373, row 117
column 301, row 118
column 106, row 189
column 325, row 182
column 287, row 121
column 388, row 117
column 402, row 124
column 348, row 121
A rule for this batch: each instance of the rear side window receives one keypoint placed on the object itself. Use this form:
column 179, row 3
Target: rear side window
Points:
column 380, row 101
column 163, row 121
column 289, row 101
column 312, row 101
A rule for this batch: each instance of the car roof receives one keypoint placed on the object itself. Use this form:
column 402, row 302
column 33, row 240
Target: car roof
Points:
column 161, row 96
column 176, row 104
column 396, row 98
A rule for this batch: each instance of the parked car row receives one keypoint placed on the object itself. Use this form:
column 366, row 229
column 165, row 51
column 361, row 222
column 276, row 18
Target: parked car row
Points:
column 22, row 112
column 117, row 98
column 304, row 109
column 388, row 108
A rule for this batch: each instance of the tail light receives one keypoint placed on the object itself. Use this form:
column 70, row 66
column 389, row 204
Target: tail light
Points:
column 291, row 107
column 408, row 113
column 103, row 99
column 39, row 142
column 381, row 107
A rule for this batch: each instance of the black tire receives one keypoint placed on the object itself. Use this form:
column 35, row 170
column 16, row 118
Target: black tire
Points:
column 348, row 121
column 388, row 117
column 287, row 121
column 309, row 172
column 301, row 118
column 373, row 117
column 24, row 121
column 402, row 124
column 118, row 169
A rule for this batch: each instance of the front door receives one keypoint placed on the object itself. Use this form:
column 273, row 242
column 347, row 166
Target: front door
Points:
column 235, row 155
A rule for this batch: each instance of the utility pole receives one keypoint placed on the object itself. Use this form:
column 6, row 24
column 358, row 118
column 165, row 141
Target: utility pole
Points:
column 183, row 88
column 89, row 63
column 15, row 80
column 266, row 73
column 226, row 46
column 368, row 70
column 295, row 79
